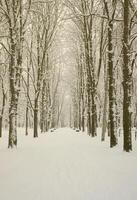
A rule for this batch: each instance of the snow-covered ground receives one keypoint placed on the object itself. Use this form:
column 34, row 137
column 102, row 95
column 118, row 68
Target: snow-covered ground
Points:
column 65, row 165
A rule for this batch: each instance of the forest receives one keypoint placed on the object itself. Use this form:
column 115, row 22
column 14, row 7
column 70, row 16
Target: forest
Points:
column 69, row 63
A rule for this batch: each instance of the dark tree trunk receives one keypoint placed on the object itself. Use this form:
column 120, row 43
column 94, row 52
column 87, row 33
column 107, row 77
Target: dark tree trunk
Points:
column 111, row 130
column 15, row 66
column 91, row 86
column 82, row 98
column 13, row 95
column 35, row 119
column 0, row 126
column 94, row 121
column 3, row 107
column 104, row 120
column 70, row 116
column 43, row 105
column 28, row 91
column 127, row 82
column 27, row 120
column 89, row 128
column 83, row 115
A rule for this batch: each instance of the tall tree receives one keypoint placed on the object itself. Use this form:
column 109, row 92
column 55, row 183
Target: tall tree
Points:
column 110, row 16
column 127, row 80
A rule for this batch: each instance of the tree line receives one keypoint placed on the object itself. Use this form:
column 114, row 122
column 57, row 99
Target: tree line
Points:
column 106, row 68
column 103, row 35
column 27, row 35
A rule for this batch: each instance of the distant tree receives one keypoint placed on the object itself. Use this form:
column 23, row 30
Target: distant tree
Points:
column 3, row 95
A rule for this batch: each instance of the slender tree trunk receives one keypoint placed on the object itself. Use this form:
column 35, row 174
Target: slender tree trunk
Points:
column 27, row 106
column 43, row 116
column 83, row 114
column 3, row 108
column 70, row 116
column 37, row 91
column 94, row 120
column 1, row 126
column 36, row 119
column 89, row 125
column 104, row 120
column 27, row 120
column 79, row 123
column 28, row 91
column 113, row 140
column 82, row 96
column 89, row 128
column 12, row 131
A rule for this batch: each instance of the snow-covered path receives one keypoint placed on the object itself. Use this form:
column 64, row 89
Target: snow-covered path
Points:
column 65, row 165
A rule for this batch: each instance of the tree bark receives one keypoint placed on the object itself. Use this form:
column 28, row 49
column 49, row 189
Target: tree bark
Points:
column 13, row 95
column 111, row 130
column 127, row 82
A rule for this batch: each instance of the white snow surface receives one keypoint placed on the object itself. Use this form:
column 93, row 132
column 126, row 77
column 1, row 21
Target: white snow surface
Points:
column 65, row 165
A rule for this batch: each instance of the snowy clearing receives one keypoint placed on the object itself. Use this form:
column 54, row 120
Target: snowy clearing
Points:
column 65, row 165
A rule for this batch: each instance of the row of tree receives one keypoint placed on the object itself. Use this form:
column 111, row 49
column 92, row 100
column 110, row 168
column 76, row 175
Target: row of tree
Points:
column 106, row 61
column 102, row 35
column 27, row 72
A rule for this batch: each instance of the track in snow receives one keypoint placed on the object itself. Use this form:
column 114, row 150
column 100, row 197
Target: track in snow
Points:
column 65, row 165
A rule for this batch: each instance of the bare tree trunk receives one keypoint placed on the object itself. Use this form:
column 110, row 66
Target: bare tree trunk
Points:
column 127, row 82
column 43, row 106
column 94, row 118
column 83, row 111
column 27, row 106
column 1, row 126
column 36, row 118
column 104, row 121
column 113, row 140
column 12, row 107
column 89, row 128
column 37, row 90
column 27, row 120
column 70, row 116
column 15, row 65
column 3, row 107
